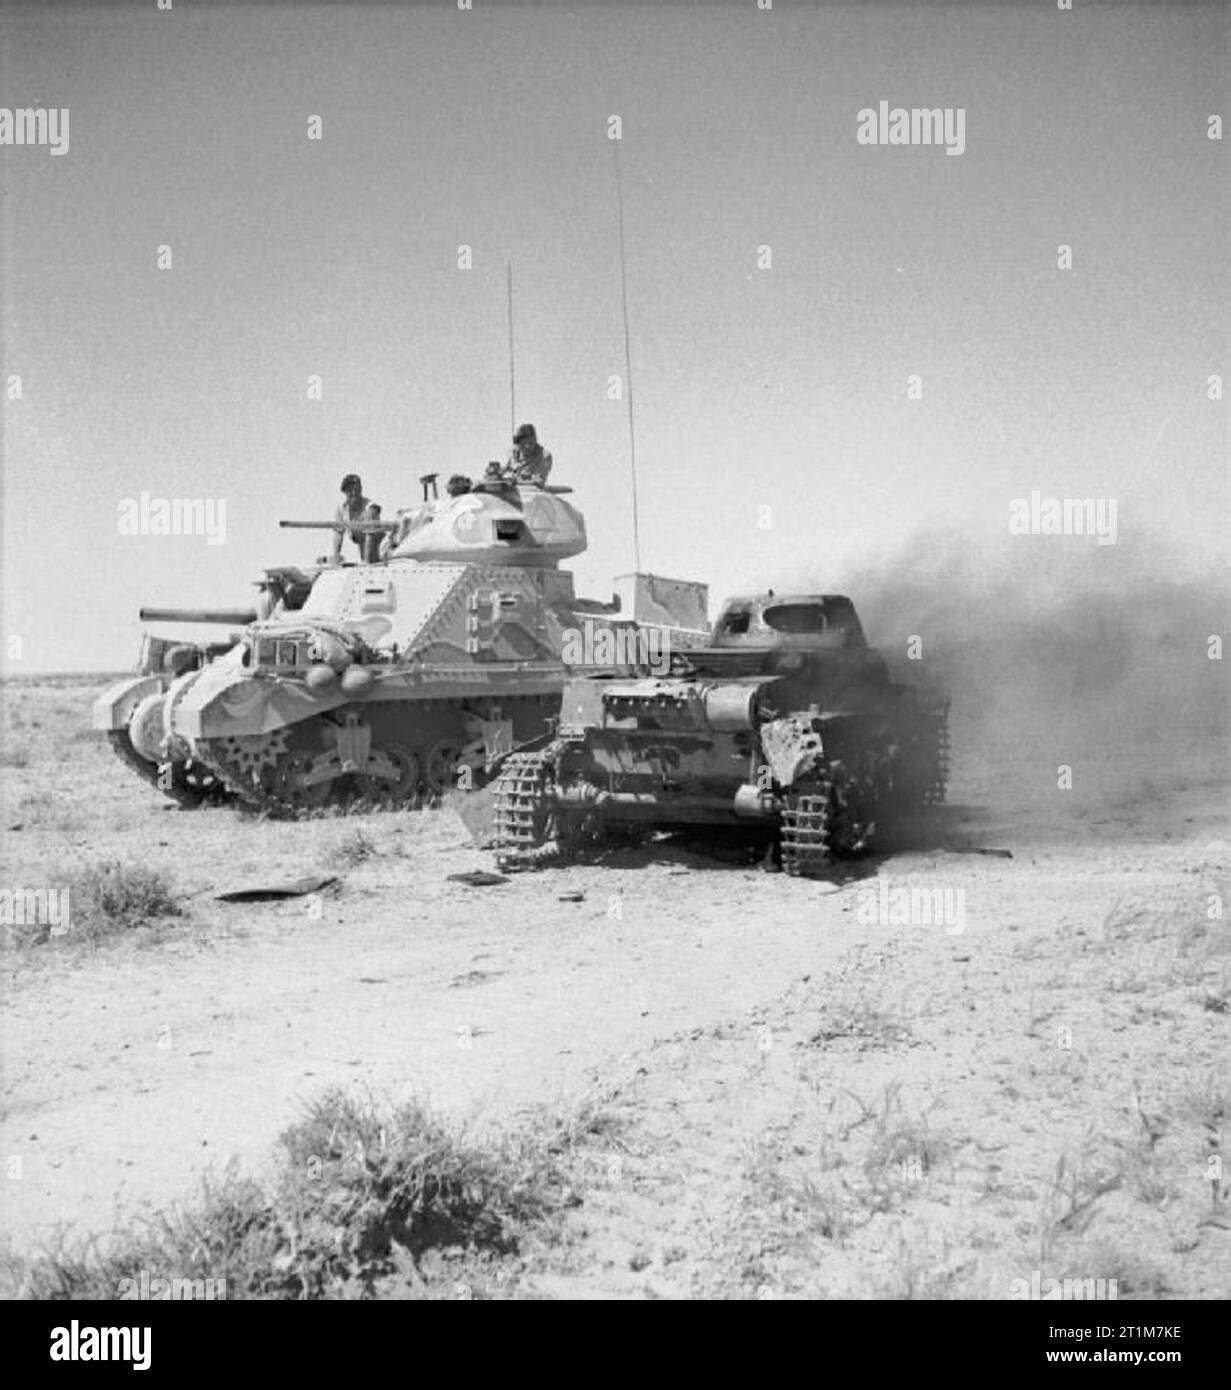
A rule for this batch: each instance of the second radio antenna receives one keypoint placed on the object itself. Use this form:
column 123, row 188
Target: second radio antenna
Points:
column 628, row 360
column 512, row 374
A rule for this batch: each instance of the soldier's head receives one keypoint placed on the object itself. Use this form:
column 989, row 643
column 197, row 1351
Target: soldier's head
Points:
column 352, row 486
column 457, row 485
column 525, row 438
column 495, row 469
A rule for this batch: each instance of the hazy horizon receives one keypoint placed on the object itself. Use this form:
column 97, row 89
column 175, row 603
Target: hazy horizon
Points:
column 783, row 387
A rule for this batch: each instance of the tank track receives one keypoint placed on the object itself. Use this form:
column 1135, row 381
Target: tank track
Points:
column 934, row 793
column 835, row 816
column 522, row 815
column 193, row 782
column 805, row 834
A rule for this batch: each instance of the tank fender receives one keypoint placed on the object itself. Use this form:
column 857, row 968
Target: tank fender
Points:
column 114, row 707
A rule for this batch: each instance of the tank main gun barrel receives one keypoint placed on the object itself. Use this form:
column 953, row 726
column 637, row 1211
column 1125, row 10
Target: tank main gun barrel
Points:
column 233, row 617
column 365, row 526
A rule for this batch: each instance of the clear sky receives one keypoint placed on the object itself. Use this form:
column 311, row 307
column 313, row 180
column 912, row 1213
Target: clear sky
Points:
column 783, row 387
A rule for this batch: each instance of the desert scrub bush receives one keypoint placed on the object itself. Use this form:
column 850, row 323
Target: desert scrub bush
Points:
column 906, row 1149
column 358, row 1196
column 1134, row 1274
column 96, row 902
column 901, row 1151
column 869, row 1027
column 356, row 1184
column 112, row 896
column 355, row 847
column 103, row 899
column 221, row 1237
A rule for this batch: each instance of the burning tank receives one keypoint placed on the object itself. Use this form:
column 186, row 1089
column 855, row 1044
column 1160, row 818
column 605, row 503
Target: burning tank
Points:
column 786, row 722
column 391, row 678
column 131, row 711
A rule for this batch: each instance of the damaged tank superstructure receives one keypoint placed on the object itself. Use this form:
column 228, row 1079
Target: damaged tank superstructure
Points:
column 391, row 676
column 131, row 712
column 785, row 722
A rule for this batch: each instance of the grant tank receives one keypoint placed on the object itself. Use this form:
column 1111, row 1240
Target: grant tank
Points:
column 393, row 675
column 785, row 722
column 131, row 712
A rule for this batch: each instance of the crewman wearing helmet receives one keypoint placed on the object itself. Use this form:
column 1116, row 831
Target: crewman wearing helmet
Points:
column 528, row 462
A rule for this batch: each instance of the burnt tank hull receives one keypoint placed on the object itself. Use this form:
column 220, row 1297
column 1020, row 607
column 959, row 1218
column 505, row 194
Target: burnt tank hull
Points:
column 797, row 736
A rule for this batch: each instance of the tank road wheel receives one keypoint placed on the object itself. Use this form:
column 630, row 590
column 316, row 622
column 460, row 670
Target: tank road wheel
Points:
column 195, row 782
column 395, row 790
column 852, row 811
column 440, row 765
column 290, row 786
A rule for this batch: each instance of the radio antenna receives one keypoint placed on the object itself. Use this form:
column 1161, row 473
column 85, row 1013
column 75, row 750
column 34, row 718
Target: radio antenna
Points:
column 512, row 374
column 628, row 360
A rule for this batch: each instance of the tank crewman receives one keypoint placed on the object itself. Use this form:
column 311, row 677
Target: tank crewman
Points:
column 356, row 507
column 528, row 462
column 458, row 485
column 497, row 477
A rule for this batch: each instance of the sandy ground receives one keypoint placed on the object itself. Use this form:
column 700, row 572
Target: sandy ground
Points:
column 814, row 1103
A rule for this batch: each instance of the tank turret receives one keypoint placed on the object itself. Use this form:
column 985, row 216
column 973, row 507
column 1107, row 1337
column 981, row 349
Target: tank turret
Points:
column 503, row 525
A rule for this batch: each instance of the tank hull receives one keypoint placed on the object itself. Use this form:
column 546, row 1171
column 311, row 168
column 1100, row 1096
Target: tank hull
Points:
column 393, row 683
column 807, row 743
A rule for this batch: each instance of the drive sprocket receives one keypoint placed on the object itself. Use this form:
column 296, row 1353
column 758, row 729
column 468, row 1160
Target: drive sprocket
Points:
column 246, row 763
